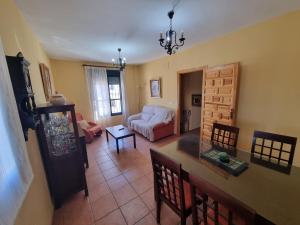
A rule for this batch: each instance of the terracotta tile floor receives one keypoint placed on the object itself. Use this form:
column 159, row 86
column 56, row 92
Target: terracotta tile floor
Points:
column 120, row 187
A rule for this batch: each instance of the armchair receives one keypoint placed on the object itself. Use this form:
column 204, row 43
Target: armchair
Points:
column 90, row 129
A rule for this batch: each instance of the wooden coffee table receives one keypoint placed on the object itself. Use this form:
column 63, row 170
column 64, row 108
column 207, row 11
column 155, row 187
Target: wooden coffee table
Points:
column 120, row 132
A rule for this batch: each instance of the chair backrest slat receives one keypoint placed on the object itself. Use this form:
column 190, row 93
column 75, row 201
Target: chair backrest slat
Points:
column 168, row 182
column 224, row 135
column 273, row 150
column 211, row 205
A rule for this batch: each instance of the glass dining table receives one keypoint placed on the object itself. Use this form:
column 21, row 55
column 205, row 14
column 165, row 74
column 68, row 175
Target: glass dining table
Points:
column 275, row 196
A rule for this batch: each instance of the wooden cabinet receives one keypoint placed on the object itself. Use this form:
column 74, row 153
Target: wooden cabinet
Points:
column 18, row 68
column 61, row 151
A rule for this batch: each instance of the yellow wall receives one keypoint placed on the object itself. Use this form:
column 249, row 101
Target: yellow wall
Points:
column 16, row 36
column 69, row 79
column 269, row 85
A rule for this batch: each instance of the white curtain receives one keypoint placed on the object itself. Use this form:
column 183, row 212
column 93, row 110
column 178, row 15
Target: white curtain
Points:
column 124, row 98
column 99, row 96
column 15, row 171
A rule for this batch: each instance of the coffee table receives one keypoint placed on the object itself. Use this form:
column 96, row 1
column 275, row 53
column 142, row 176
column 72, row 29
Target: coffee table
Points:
column 120, row 132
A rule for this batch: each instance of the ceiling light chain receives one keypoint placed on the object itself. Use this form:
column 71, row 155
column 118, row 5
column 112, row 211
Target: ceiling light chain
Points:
column 170, row 34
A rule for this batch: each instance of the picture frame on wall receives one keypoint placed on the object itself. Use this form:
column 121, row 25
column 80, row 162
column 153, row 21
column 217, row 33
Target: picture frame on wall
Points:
column 155, row 88
column 196, row 100
column 46, row 79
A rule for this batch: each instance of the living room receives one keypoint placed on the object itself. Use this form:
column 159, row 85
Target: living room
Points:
column 255, row 46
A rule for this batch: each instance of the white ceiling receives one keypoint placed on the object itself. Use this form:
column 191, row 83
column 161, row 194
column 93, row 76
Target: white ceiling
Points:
column 92, row 30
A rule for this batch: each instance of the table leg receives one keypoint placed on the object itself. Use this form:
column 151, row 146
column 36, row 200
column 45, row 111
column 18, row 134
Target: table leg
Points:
column 106, row 136
column 117, row 142
column 134, row 141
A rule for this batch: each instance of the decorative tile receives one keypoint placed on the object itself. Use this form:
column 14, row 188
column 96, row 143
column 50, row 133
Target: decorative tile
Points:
column 117, row 182
column 141, row 185
column 104, row 206
column 147, row 220
column 167, row 215
column 111, row 173
column 133, row 174
column 95, row 180
column 148, row 198
column 124, row 194
column 98, row 191
column 114, row 218
column 134, row 210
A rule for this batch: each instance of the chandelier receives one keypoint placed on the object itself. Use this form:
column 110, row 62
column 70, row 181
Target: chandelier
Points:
column 121, row 63
column 171, row 44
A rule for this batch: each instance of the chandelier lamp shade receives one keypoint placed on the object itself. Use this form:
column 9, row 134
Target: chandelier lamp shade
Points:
column 170, row 42
column 121, row 63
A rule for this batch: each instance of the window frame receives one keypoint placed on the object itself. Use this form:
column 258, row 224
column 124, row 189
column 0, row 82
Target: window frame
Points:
column 115, row 73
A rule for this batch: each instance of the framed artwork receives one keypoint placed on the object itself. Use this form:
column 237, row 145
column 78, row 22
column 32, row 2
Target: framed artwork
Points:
column 196, row 100
column 155, row 89
column 45, row 73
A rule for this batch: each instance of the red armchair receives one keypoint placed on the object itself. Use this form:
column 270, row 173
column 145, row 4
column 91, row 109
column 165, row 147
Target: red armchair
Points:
column 90, row 129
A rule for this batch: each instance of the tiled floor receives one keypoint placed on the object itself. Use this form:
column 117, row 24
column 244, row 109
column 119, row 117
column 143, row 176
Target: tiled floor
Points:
column 120, row 187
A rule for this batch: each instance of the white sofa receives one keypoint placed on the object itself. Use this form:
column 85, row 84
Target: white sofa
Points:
column 154, row 122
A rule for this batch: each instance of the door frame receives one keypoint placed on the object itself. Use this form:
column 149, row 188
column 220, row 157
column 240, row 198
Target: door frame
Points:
column 181, row 73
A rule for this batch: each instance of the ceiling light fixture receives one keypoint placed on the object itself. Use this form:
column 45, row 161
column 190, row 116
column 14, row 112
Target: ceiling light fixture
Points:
column 121, row 63
column 171, row 44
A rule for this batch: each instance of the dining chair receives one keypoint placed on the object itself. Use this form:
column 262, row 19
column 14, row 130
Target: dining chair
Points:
column 224, row 135
column 169, row 186
column 273, row 150
column 212, row 206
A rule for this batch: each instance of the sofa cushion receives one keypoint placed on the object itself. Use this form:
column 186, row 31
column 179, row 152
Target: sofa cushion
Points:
column 157, row 118
column 162, row 117
column 146, row 116
column 148, row 109
column 140, row 123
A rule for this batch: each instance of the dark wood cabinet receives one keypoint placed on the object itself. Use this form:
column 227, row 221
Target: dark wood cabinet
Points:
column 18, row 68
column 83, row 147
column 61, row 151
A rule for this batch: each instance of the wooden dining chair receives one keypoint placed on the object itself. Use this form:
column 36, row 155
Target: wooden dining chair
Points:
column 273, row 150
column 224, row 135
column 212, row 206
column 169, row 186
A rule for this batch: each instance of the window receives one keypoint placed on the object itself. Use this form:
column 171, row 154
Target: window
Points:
column 115, row 94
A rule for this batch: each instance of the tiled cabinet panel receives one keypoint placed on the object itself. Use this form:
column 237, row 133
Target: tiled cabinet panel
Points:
column 219, row 97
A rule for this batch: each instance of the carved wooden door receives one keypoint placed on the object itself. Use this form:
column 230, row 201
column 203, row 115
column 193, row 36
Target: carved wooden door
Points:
column 219, row 97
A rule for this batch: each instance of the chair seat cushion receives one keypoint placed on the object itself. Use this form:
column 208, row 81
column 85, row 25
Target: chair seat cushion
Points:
column 187, row 195
column 223, row 219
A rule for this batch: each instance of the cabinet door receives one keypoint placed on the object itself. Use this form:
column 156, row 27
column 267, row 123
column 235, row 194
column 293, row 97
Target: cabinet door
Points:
column 219, row 97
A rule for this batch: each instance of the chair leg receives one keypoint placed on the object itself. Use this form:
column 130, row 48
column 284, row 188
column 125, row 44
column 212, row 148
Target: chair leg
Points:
column 158, row 208
column 183, row 220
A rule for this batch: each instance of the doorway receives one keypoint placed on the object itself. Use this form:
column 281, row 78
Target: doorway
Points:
column 190, row 99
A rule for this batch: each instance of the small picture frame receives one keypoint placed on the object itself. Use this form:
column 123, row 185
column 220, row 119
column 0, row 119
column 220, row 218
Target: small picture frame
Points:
column 46, row 79
column 155, row 89
column 196, row 100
